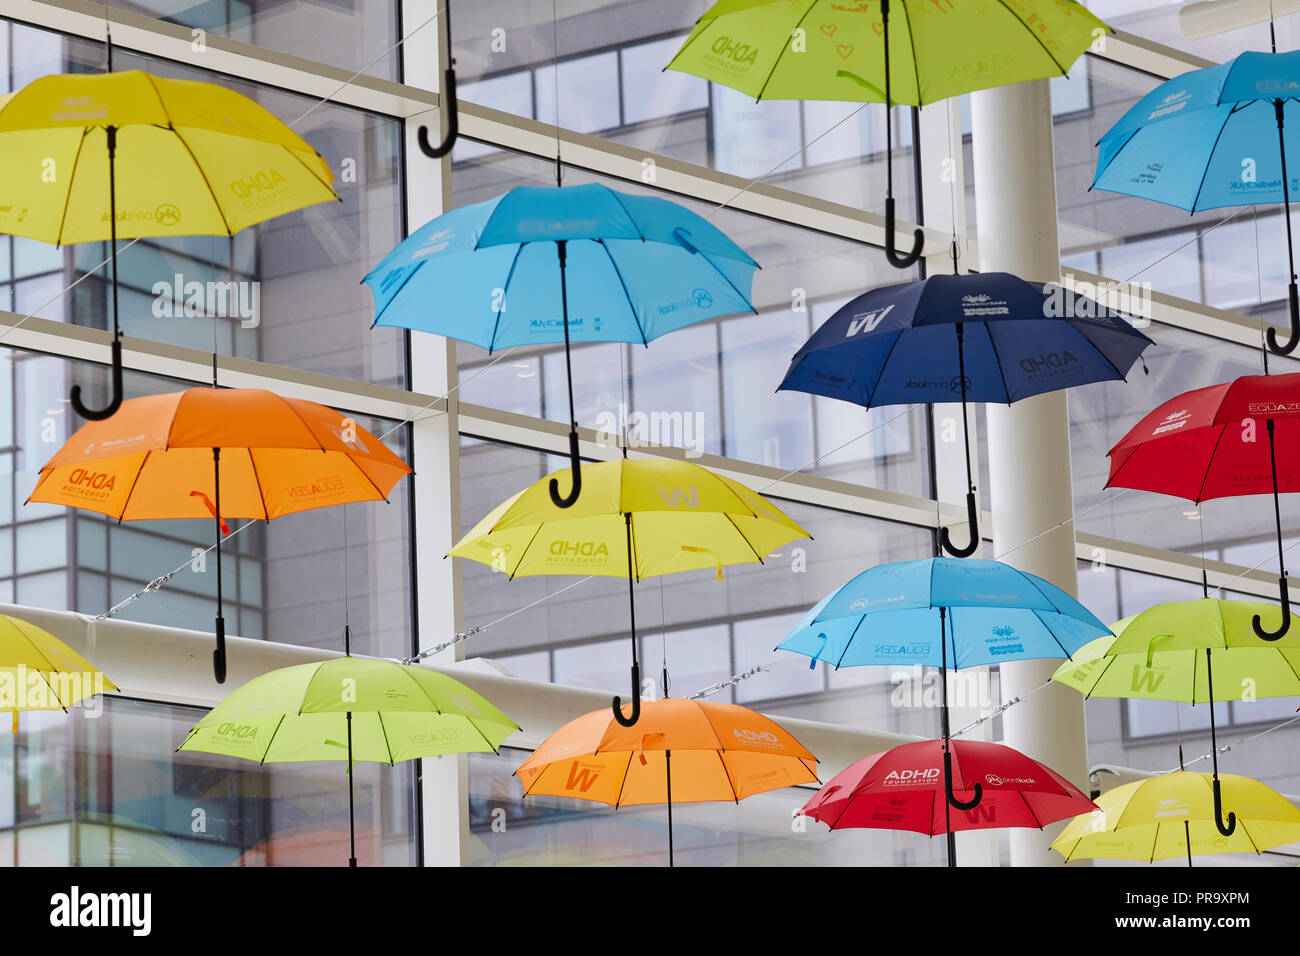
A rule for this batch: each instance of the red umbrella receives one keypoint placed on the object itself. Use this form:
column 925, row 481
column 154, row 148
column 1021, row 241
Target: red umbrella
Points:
column 902, row 789
column 1207, row 444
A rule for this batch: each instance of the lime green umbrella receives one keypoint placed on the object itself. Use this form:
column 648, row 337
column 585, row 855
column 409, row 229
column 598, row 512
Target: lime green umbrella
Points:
column 832, row 50
column 1177, row 651
column 350, row 709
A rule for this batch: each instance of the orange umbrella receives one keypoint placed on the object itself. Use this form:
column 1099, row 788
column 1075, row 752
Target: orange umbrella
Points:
column 161, row 456
column 720, row 752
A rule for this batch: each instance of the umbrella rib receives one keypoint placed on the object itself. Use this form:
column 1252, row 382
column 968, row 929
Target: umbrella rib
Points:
column 735, row 797
column 134, row 481
column 744, row 298
column 379, row 715
column 298, row 415
column 212, row 193
column 1206, row 171
column 1047, row 627
column 784, row 46
column 1030, row 31
column 1096, row 348
column 997, row 358
column 505, row 291
column 1214, row 451
column 916, row 65
column 524, row 553
column 884, row 366
column 628, row 295
column 852, row 634
column 627, row 212
column 257, row 480
column 752, row 549
column 622, row 784
column 67, row 199
column 271, row 739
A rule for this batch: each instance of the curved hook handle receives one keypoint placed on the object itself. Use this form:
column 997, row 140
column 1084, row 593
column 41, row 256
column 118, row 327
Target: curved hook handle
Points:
column 568, row 502
column 1294, row 340
column 1257, row 621
column 219, row 655
column 116, row 402
column 891, row 251
column 453, row 123
column 948, row 791
column 972, row 519
column 636, row 700
column 1228, row 828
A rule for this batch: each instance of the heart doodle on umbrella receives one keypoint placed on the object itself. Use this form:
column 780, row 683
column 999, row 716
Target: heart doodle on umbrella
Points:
column 829, row 29
column 845, row 50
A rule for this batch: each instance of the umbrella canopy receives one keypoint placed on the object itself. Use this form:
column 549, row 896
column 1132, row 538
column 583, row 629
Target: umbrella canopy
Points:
column 1160, row 654
column 1172, row 816
column 988, row 337
column 682, row 751
column 1171, row 651
column 499, row 272
column 747, row 45
column 943, row 613
column 39, row 672
column 136, row 155
column 192, row 159
column 997, row 336
column 350, row 709
column 988, row 613
column 828, row 50
column 218, row 453
column 638, row 518
column 641, row 267
column 681, row 516
column 1205, row 444
column 902, row 789
column 1213, row 138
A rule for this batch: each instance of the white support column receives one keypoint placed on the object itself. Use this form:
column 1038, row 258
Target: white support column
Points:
column 436, row 454
column 1028, row 442
column 943, row 191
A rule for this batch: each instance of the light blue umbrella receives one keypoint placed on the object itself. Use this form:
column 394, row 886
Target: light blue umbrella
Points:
column 1213, row 138
column 571, row 264
column 943, row 612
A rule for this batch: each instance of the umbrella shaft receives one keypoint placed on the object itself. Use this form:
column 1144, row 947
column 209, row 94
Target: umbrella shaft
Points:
column 352, row 820
column 111, row 135
column 668, row 773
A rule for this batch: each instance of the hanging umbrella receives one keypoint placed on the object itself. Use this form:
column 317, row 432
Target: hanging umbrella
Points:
column 829, row 50
column 349, row 709
column 91, row 157
column 943, row 612
column 1203, row 445
column 499, row 272
column 161, row 456
column 989, row 337
column 903, row 789
column 1171, row 652
column 669, row 515
column 1213, row 138
column 1172, row 815
column 39, row 672
column 683, row 751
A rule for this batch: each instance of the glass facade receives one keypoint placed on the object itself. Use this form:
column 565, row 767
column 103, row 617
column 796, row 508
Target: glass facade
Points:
column 107, row 788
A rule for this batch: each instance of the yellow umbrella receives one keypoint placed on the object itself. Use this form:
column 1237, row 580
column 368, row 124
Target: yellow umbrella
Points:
column 40, row 672
column 639, row 518
column 1172, row 815
column 89, row 157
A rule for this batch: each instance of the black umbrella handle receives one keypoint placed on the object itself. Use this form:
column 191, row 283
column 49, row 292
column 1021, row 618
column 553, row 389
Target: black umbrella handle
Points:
column 972, row 518
column 115, row 402
column 906, row 260
column 636, row 700
column 575, row 468
column 219, row 655
column 453, row 123
column 1231, row 826
column 1294, row 340
column 1258, row 622
column 947, row 786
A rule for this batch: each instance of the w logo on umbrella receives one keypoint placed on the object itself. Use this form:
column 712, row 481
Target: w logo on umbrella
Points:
column 867, row 321
column 676, row 496
column 581, row 778
column 1146, row 680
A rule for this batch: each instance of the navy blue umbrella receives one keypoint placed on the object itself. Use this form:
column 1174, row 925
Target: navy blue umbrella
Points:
column 988, row 337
